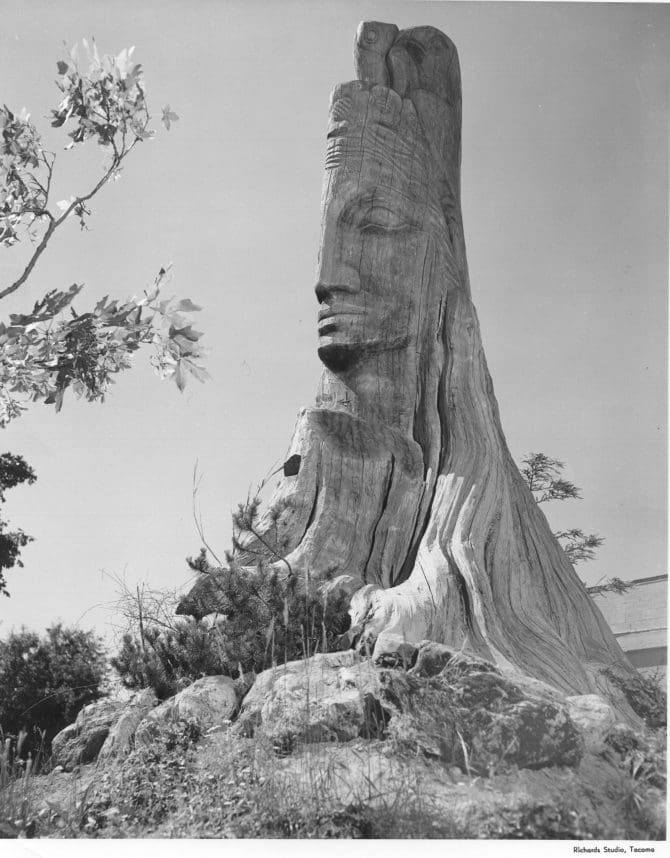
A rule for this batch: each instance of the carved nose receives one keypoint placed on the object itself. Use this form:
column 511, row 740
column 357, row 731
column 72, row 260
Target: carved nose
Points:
column 322, row 293
column 335, row 277
column 338, row 259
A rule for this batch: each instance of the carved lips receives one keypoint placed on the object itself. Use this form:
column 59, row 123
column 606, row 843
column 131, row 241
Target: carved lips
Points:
column 330, row 318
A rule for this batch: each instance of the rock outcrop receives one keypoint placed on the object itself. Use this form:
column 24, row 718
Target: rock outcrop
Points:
column 459, row 709
column 210, row 702
column 467, row 748
column 80, row 743
column 121, row 738
column 329, row 697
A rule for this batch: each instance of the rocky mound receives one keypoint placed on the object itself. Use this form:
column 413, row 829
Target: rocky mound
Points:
column 485, row 753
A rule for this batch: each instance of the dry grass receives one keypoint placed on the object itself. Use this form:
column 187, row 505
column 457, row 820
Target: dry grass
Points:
column 223, row 785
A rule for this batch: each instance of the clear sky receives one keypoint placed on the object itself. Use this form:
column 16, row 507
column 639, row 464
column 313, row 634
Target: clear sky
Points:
column 565, row 209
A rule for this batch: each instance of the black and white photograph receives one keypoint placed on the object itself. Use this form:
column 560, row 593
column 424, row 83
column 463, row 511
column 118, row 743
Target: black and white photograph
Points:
column 334, row 397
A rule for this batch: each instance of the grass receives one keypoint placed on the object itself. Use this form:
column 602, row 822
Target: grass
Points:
column 17, row 777
column 387, row 783
column 241, row 788
column 221, row 785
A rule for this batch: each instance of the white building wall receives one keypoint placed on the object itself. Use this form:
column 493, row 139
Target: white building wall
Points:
column 639, row 620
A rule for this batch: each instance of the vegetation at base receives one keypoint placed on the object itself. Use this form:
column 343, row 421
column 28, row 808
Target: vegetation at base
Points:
column 266, row 617
column 45, row 681
column 247, row 796
column 646, row 696
column 153, row 782
column 17, row 775
column 221, row 786
column 186, row 783
column 167, row 659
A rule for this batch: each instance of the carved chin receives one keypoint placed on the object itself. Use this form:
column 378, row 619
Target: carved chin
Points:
column 340, row 352
column 338, row 356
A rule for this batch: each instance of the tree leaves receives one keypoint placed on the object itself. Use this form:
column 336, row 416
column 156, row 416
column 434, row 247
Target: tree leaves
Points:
column 44, row 353
column 187, row 306
column 22, row 196
column 107, row 103
column 45, row 680
column 542, row 475
column 14, row 470
column 611, row 585
column 579, row 546
column 168, row 116
column 46, row 308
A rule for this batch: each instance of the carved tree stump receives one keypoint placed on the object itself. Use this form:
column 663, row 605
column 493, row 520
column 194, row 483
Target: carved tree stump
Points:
column 406, row 490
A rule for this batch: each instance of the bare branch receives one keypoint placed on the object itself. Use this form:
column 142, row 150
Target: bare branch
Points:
column 54, row 224
column 279, row 557
column 197, row 517
column 39, row 250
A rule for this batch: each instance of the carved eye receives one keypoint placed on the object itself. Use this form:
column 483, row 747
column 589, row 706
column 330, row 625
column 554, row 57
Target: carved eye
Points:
column 381, row 221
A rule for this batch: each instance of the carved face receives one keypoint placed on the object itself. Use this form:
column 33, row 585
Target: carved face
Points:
column 379, row 216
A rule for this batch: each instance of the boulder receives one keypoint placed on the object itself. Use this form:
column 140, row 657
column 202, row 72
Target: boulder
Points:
column 623, row 739
column 120, row 739
column 530, row 734
column 431, row 658
column 457, row 708
column 328, row 697
column 61, row 741
column 471, row 715
column 593, row 716
column 80, row 743
column 211, row 701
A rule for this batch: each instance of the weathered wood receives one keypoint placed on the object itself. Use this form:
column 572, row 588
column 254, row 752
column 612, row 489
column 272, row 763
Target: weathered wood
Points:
column 406, row 488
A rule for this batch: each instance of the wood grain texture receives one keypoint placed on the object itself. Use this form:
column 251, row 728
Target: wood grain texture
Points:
column 406, row 487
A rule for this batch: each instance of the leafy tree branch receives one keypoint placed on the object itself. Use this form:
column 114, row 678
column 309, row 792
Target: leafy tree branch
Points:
column 14, row 470
column 543, row 477
column 43, row 352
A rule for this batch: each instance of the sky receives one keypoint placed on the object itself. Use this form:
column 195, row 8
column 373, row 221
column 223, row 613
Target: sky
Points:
column 564, row 185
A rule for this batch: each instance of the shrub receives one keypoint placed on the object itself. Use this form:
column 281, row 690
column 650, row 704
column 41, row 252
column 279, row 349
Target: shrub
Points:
column 266, row 618
column 266, row 612
column 45, row 681
column 647, row 698
column 165, row 658
column 272, row 616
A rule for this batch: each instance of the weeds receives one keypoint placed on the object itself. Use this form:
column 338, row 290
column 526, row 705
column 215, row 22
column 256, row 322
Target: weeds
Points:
column 646, row 696
column 17, row 815
column 240, row 788
column 390, row 781
column 640, row 793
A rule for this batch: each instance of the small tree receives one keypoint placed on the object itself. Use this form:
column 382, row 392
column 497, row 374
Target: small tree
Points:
column 14, row 470
column 165, row 658
column 264, row 618
column 45, row 681
column 543, row 478
column 264, row 613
